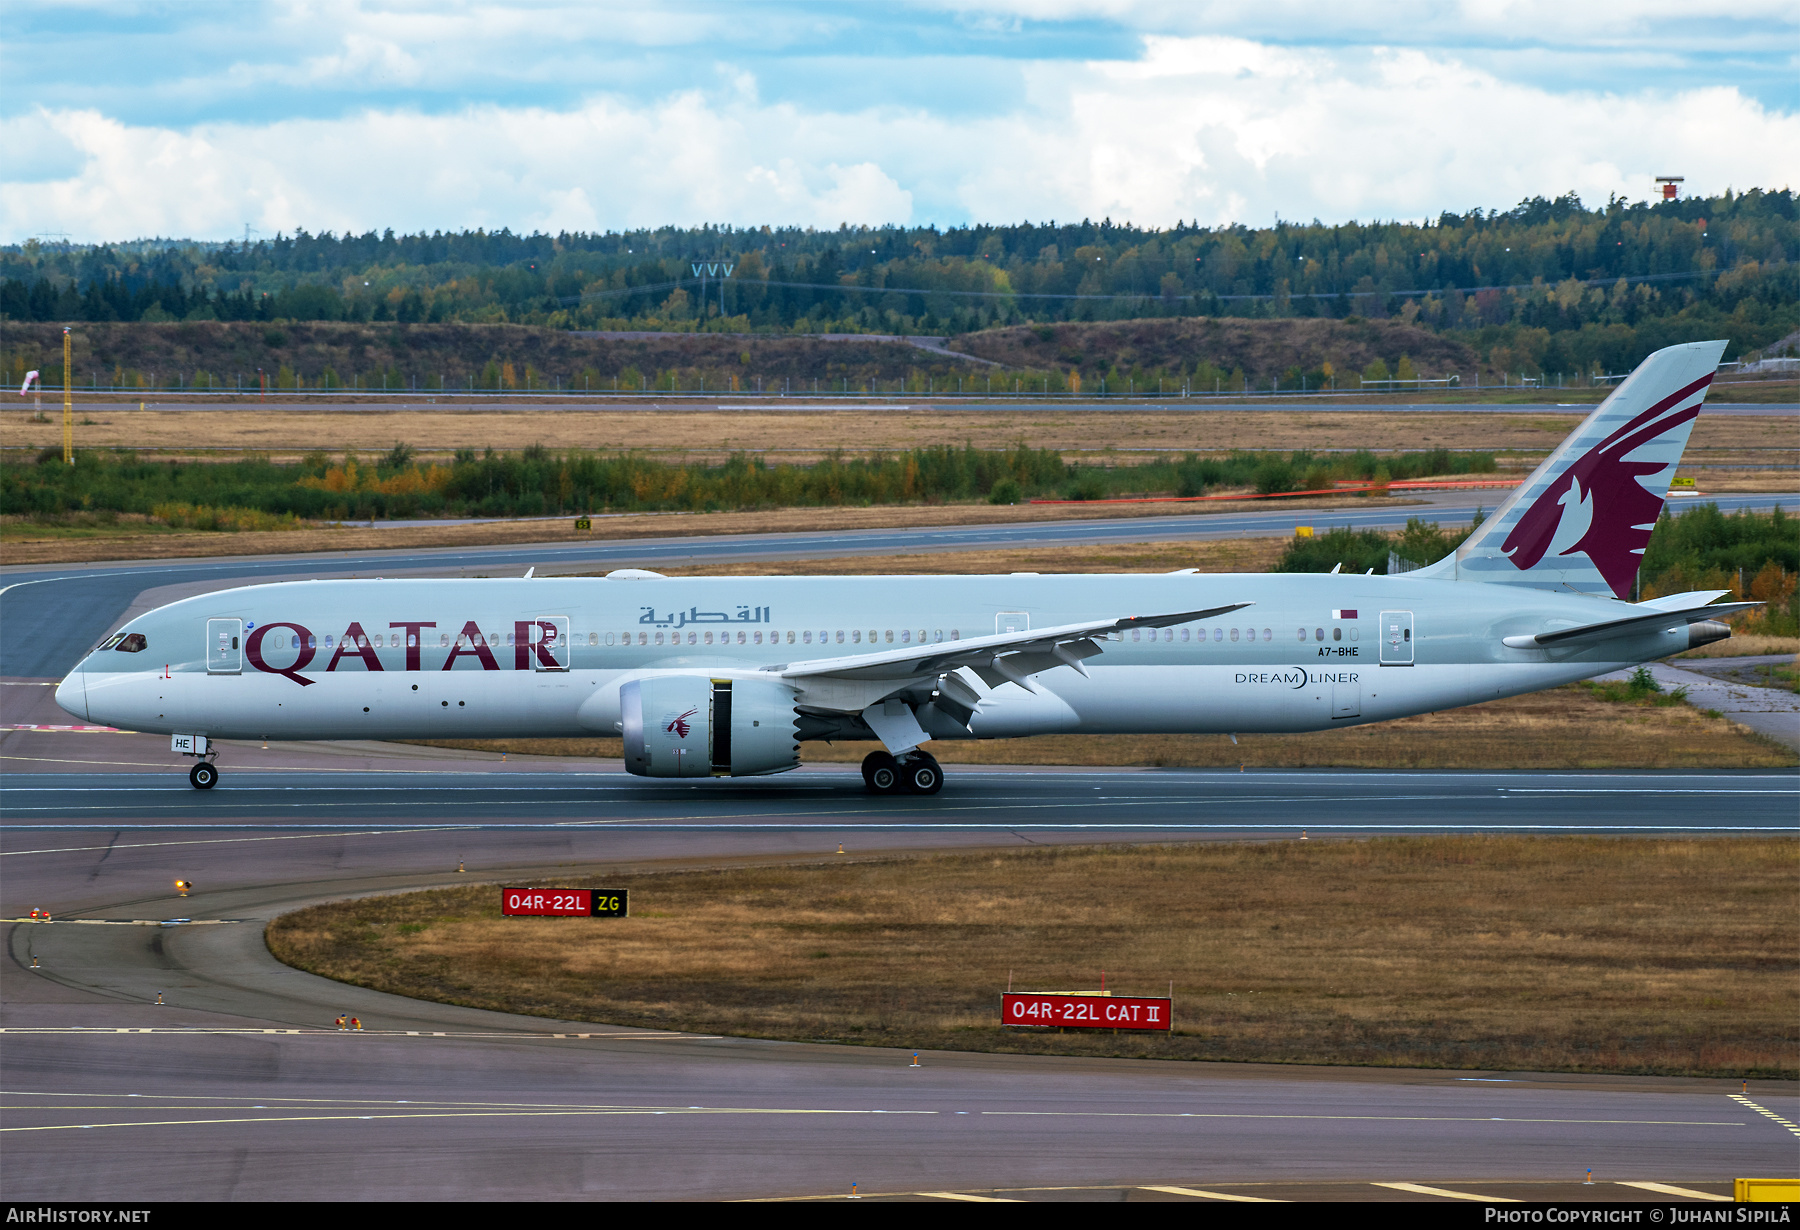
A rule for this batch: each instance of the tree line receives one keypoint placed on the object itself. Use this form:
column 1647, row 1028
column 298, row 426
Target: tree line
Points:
column 1557, row 285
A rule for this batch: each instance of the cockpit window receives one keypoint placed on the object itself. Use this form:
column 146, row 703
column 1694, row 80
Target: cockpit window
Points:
column 133, row 643
column 112, row 641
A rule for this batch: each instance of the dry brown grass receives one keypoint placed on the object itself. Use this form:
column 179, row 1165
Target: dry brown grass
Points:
column 1566, row 728
column 288, row 432
column 1744, row 645
column 1509, row 953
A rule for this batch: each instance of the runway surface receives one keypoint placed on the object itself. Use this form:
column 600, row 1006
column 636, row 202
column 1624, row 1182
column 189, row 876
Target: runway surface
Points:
column 68, row 609
column 237, row 1086
column 1089, row 804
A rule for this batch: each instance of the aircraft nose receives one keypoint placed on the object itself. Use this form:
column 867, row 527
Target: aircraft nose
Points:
column 71, row 693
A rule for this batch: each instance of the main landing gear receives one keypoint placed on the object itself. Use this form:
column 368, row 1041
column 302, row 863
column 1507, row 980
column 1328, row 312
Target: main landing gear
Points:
column 917, row 774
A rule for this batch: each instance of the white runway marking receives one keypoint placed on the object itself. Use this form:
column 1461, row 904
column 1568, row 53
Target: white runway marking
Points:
column 1789, row 1124
column 1669, row 1190
column 1444, row 1191
column 1200, row 1194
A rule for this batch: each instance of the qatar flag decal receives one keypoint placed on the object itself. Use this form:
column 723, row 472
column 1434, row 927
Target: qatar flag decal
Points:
column 1343, row 614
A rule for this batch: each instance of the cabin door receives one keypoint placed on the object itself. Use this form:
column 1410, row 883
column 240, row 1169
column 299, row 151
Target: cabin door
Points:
column 1396, row 638
column 550, row 643
column 224, row 646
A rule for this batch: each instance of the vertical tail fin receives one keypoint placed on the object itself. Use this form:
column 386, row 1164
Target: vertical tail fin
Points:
column 1584, row 517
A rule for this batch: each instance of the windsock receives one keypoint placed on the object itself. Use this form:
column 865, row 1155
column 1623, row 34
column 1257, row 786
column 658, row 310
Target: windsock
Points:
column 30, row 378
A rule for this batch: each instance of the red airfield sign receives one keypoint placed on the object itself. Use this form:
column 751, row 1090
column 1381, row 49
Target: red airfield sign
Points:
column 563, row 902
column 1086, row 1011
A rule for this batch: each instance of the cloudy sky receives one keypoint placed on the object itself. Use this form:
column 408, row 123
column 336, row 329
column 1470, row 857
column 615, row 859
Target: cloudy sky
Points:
column 121, row 119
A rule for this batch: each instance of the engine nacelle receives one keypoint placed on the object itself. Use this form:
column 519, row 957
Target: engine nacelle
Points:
column 694, row 726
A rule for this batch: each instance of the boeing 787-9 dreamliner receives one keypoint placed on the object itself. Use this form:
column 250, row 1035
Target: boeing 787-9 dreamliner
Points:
column 728, row 676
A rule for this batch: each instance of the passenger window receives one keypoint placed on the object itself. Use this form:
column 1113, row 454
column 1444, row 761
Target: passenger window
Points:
column 1303, row 634
column 1234, row 634
column 790, row 638
column 1168, row 634
column 133, row 643
column 955, row 635
column 1136, row 634
column 1268, row 635
column 1337, row 634
column 906, row 636
column 805, row 638
column 1218, row 634
column 709, row 638
column 1318, row 634
column 1185, row 633
column 659, row 638
column 889, row 638
column 1353, row 634
column 856, row 636
column 938, row 636
column 840, row 636
column 644, row 638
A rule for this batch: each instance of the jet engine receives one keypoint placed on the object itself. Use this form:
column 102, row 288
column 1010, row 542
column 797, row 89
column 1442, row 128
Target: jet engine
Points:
column 693, row 726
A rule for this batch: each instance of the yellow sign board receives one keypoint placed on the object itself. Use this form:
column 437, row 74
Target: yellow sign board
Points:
column 1303, row 531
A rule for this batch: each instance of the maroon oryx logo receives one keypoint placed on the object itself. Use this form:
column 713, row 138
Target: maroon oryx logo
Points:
column 679, row 727
column 1597, row 506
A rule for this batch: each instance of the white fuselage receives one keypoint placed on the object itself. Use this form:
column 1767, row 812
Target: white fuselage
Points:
column 387, row 659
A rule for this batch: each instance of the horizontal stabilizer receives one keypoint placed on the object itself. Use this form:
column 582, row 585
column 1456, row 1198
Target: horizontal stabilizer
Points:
column 1683, row 602
column 1630, row 626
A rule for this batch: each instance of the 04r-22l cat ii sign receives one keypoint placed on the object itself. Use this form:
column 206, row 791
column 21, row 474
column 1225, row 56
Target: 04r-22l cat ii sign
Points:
column 728, row 676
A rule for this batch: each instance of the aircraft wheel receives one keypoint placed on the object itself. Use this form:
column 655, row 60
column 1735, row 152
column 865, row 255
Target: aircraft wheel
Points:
column 922, row 775
column 203, row 776
column 881, row 773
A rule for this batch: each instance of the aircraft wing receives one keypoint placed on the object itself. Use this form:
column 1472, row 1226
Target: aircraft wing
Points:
column 1625, row 627
column 1009, row 655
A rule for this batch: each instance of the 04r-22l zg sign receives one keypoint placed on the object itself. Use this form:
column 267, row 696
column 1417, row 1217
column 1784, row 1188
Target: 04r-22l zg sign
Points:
column 1086, row 1011
column 563, row 902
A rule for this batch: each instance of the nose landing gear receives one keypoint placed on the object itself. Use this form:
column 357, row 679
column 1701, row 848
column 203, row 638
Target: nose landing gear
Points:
column 204, row 775
column 919, row 773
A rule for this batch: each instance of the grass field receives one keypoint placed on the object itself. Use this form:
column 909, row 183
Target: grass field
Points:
column 701, row 430
column 1479, row 952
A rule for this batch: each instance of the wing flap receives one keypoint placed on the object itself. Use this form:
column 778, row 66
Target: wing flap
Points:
column 1038, row 647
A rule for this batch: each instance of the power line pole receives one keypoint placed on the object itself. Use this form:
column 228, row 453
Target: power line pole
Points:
column 68, row 402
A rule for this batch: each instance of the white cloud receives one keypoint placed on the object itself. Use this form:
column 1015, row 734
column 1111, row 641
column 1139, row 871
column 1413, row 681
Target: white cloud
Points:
column 1211, row 128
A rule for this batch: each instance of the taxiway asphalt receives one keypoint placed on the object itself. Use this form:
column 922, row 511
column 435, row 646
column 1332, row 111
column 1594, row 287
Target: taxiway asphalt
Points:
column 237, row 1086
